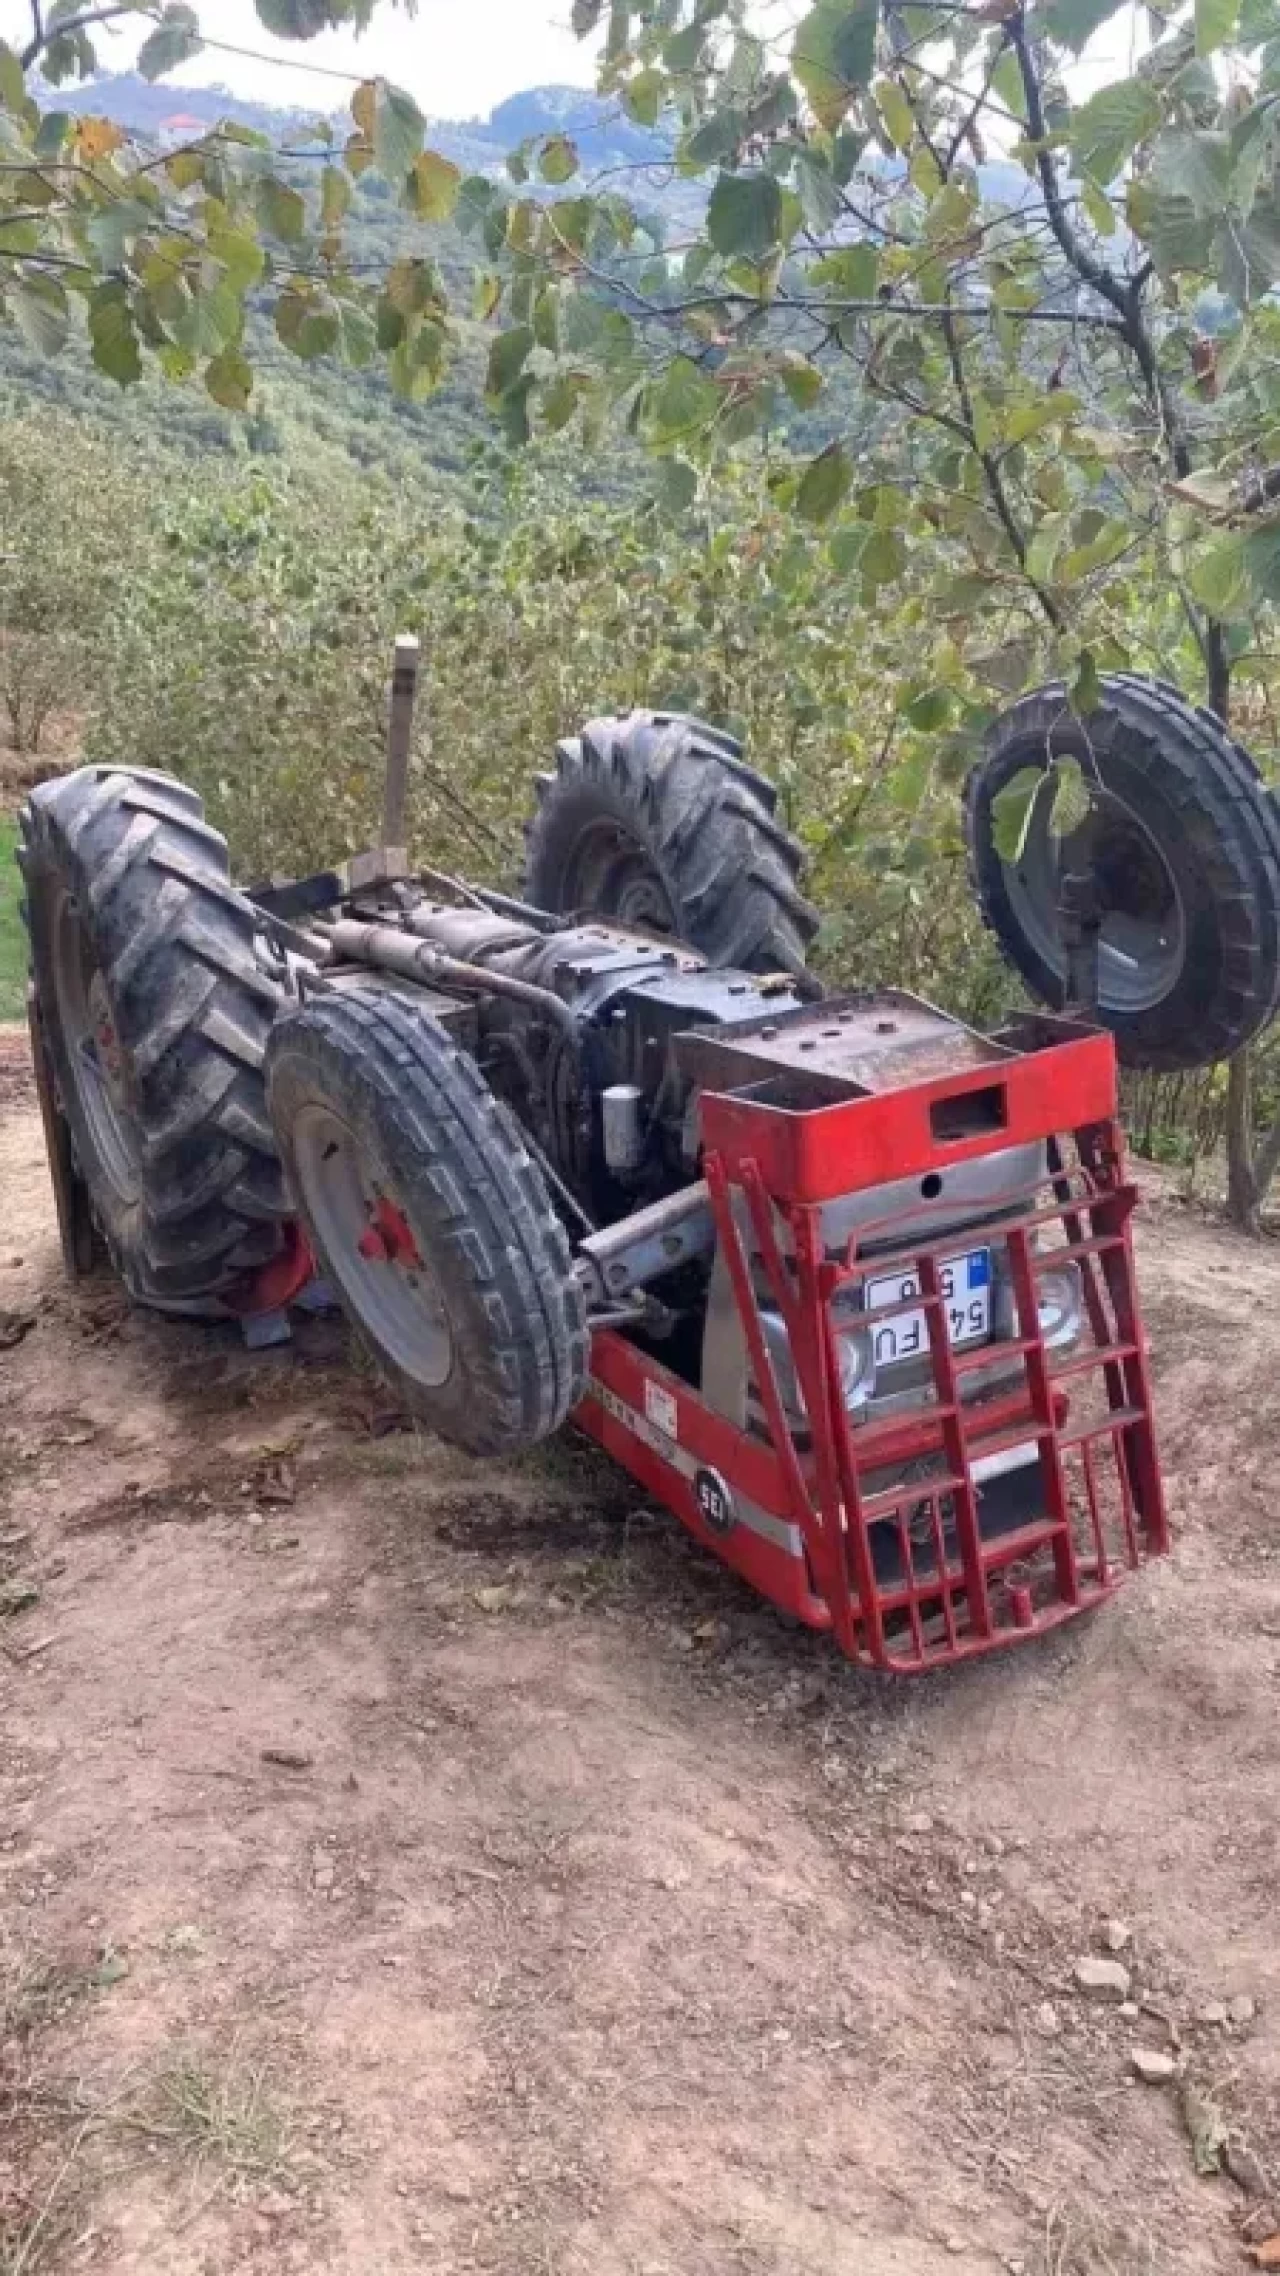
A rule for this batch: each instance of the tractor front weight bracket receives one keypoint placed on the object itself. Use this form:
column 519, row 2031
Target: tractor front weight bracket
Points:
column 876, row 1527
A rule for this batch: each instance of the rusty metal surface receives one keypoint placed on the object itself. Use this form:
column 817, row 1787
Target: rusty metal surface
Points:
column 847, row 1047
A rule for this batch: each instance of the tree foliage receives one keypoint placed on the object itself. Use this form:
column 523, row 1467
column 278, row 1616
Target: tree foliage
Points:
column 998, row 343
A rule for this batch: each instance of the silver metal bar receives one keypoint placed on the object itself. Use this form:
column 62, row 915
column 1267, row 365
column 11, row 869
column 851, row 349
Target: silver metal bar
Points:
column 392, row 949
column 649, row 1242
column 404, row 695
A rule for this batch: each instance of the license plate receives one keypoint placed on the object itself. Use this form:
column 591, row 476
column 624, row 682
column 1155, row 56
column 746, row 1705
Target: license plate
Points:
column 965, row 1285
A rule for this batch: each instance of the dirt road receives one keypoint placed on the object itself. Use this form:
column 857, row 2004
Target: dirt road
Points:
column 412, row 1865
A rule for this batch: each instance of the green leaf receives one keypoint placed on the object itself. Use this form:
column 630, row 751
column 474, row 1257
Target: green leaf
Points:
column 1219, row 577
column 229, row 379
column 113, row 334
column 414, row 285
column 802, row 380
column 716, row 138
column 1086, row 688
column 1216, row 22
column 684, row 402
column 433, row 185
column 1072, row 799
column 851, row 274
column 744, row 215
column 930, row 710
column 884, row 557
column 507, row 358
column 1098, row 206
column 38, row 306
column 896, row 111
column 1107, row 129
column 1074, row 22
column 1195, row 166
column 359, row 336
column 417, row 364
column 1249, row 252
column 833, row 55
column 644, row 95
column 818, row 191
column 398, row 129
column 678, row 485
column 335, row 196
column 281, row 210
column 1011, row 814
column 175, row 40
column 1028, row 419
column 1175, row 235
column 51, row 133
column 561, row 399
column 13, row 91
column 546, row 319
column 558, row 159
column 308, row 322
column 825, row 483
column 239, row 254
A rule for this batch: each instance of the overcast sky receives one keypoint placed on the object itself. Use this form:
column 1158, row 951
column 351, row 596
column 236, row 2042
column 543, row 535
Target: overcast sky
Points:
column 459, row 57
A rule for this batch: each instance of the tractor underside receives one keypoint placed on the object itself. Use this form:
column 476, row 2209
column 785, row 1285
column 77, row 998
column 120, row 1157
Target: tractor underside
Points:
column 845, row 1284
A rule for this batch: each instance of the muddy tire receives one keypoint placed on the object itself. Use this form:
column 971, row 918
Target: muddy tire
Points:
column 156, row 1006
column 430, row 1219
column 1187, row 848
column 656, row 821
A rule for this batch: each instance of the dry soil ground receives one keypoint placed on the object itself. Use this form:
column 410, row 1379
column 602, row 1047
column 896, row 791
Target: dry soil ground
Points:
column 412, row 1865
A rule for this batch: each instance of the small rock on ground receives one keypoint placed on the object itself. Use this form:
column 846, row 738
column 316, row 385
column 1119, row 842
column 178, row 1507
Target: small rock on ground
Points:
column 1153, row 2065
column 1101, row 1979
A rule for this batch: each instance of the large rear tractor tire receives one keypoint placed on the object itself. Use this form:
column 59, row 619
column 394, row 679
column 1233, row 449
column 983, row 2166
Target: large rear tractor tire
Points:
column 1184, row 840
column 156, row 1005
column 656, row 821
column 430, row 1219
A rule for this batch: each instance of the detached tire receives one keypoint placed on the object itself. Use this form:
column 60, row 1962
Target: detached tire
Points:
column 156, row 1008
column 656, row 821
column 1187, row 848
column 430, row 1218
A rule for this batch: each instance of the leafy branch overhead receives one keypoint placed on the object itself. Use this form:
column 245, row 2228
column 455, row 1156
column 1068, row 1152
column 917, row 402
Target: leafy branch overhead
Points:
column 1048, row 299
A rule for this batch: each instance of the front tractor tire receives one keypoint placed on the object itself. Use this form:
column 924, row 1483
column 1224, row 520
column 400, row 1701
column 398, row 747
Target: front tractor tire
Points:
column 155, row 1008
column 429, row 1218
column 656, row 821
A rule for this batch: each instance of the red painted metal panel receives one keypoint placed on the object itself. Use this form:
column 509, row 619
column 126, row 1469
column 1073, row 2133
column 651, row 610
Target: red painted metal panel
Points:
column 890, row 1513
column 817, row 1153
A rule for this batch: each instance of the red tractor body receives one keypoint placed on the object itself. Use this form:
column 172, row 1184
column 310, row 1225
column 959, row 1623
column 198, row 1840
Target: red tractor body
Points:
column 876, row 1529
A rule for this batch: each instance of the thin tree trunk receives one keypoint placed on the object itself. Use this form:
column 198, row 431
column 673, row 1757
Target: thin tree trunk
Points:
column 1243, row 1198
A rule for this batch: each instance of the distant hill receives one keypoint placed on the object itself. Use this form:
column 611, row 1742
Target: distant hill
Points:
column 602, row 131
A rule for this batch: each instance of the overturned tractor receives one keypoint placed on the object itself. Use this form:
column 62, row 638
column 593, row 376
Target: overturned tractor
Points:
column 845, row 1284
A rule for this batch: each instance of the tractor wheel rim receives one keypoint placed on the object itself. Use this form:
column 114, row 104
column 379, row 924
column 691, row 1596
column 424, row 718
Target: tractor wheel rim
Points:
column 1142, row 944
column 612, row 874
column 95, row 1066
column 369, row 1247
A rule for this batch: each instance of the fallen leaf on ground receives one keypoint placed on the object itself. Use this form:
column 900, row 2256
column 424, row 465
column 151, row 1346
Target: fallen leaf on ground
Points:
column 17, row 1596
column 1206, row 2130
column 1266, row 2254
column 499, row 1598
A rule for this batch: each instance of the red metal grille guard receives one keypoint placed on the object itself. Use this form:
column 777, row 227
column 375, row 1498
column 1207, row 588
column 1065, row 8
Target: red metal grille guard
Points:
column 898, row 1568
